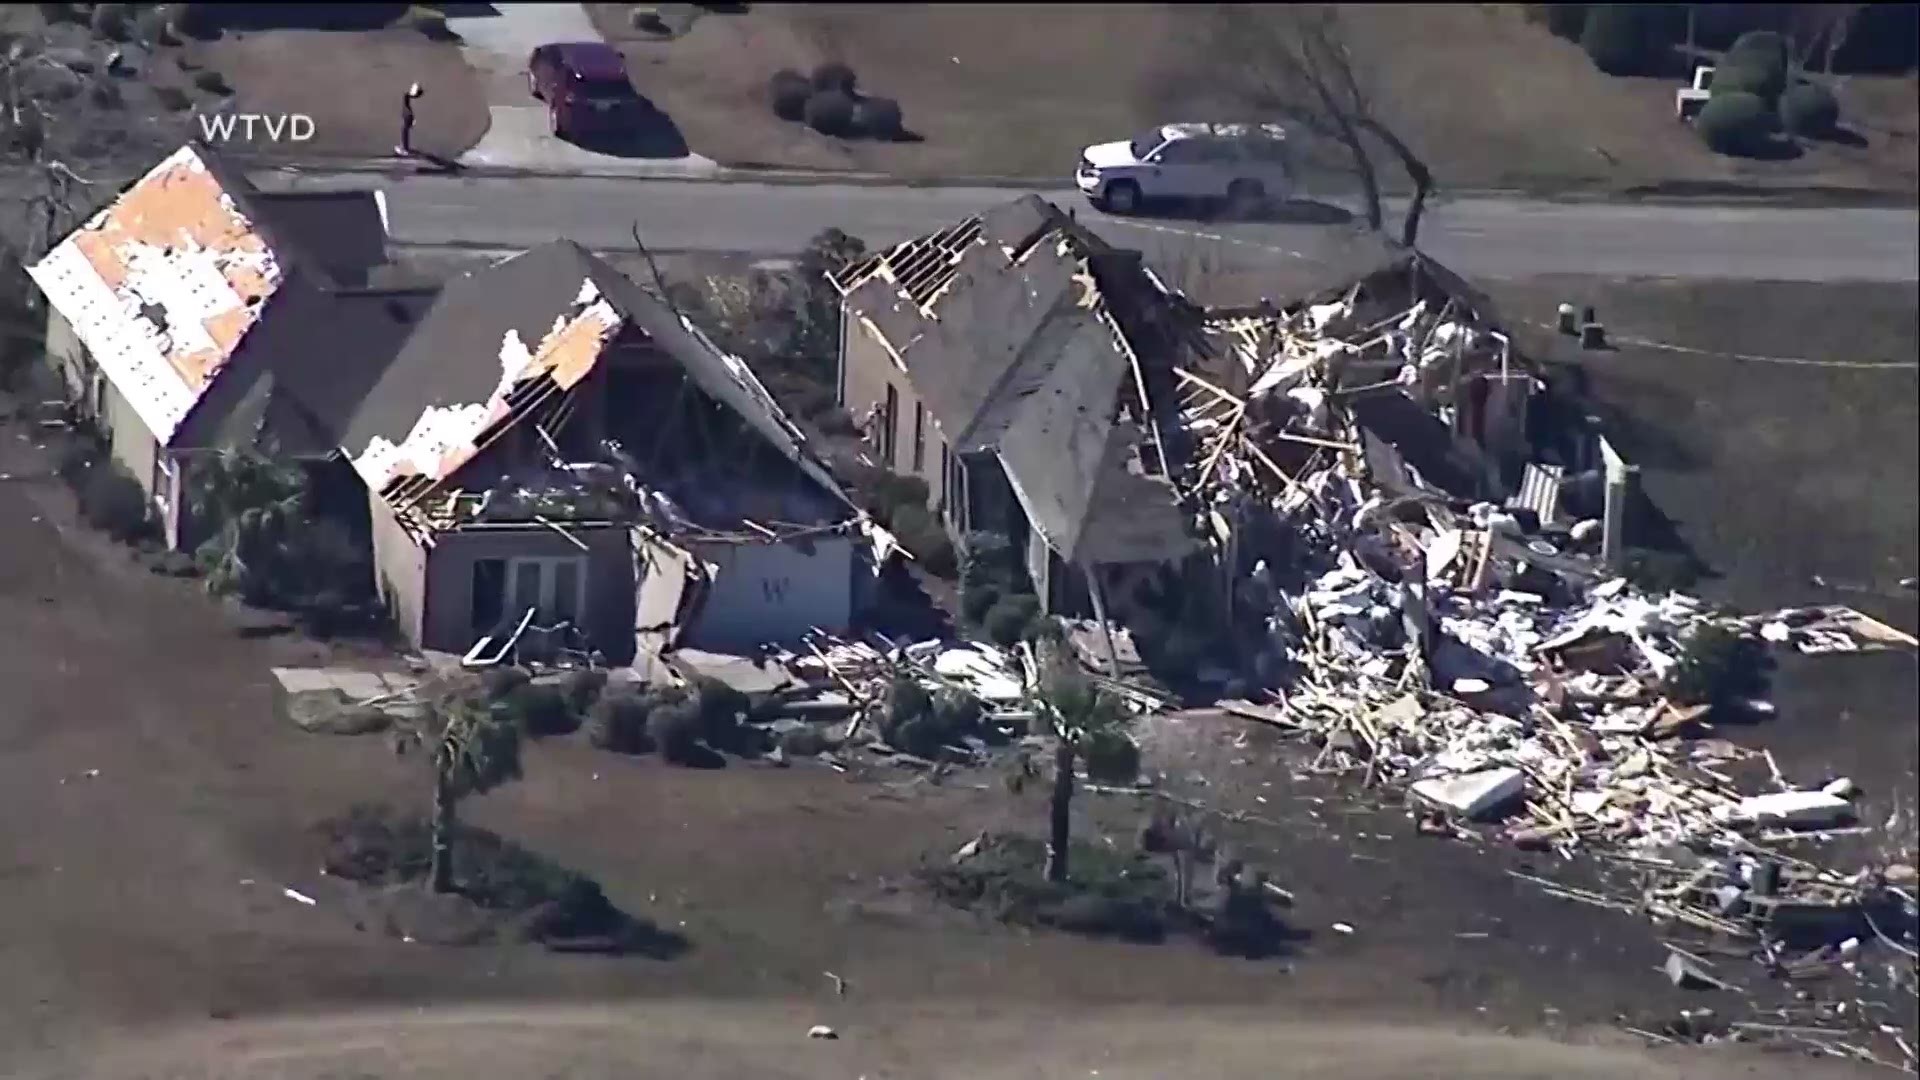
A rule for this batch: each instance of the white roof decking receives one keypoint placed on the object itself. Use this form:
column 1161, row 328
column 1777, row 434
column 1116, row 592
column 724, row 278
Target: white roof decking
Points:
column 162, row 286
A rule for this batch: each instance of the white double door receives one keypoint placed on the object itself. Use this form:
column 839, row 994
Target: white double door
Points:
column 556, row 588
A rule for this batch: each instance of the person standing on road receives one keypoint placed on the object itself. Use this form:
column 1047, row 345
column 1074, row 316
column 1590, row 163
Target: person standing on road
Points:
column 406, row 120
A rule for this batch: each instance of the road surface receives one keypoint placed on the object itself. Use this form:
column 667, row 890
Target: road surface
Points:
column 1476, row 236
column 768, row 1041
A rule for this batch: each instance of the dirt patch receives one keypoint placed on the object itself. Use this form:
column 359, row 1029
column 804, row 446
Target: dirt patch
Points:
column 351, row 83
column 990, row 97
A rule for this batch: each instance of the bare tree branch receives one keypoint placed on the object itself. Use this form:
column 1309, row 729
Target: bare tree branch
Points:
column 1295, row 62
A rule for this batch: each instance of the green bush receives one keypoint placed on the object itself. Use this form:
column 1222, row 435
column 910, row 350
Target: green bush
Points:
column 923, row 535
column 114, row 503
column 1619, row 38
column 830, row 112
column 194, row 21
column 75, row 462
column 787, row 92
column 1009, row 620
column 920, row 736
column 212, row 82
column 990, row 559
column 1716, row 666
column 1763, row 83
column 721, row 709
column 879, row 118
column 1112, row 758
column 105, row 94
column 675, row 729
column 583, row 688
column 172, row 98
column 1110, row 894
column 1762, row 50
column 113, row 21
column 976, row 599
column 617, row 721
column 893, row 493
column 429, row 24
column 154, row 26
column 541, row 709
column 1809, row 110
column 906, row 700
column 836, row 77
column 1735, row 123
column 501, row 683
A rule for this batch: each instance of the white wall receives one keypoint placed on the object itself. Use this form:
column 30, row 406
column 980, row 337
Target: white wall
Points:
column 765, row 592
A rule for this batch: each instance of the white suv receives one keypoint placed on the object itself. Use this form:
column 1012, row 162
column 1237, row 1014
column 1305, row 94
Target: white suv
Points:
column 1244, row 164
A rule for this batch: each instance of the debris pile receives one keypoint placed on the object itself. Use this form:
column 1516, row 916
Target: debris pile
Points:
column 1437, row 627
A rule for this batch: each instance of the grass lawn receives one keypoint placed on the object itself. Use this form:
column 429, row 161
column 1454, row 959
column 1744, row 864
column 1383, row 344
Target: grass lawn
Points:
column 1488, row 99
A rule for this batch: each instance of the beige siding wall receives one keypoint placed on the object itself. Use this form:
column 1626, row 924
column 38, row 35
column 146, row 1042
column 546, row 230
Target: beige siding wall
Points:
column 399, row 571
column 870, row 371
column 66, row 354
column 129, row 441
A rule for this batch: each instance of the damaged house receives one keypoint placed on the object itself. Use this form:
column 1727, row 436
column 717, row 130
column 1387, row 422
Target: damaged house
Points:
column 1011, row 362
column 195, row 308
column 558, row 456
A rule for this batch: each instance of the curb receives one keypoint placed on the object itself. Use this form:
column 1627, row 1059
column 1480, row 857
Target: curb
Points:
column 1665, row 192
column 725, row 174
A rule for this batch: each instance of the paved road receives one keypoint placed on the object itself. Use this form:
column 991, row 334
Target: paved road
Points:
column 1487, row 237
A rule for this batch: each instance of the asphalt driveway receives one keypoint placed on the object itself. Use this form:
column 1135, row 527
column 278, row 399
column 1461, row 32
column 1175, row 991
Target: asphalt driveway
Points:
column 497, row 40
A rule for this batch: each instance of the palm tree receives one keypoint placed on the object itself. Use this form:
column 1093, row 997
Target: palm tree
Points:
column 475, row 747
column 256, row 501
column 1079, row 712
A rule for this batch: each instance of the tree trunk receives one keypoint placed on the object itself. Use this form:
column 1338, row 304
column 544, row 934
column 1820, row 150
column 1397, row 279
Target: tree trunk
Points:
column 1058, row 811
column 443, row 811
column 1369, row 186
column 1410, row 227
column 1416, row 171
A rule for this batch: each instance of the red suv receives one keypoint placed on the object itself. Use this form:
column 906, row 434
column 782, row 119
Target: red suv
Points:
column 585, row 87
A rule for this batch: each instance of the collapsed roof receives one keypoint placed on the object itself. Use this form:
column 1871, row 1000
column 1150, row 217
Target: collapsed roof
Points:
column 1023, row 333
column 502, row 344
column 166, row 284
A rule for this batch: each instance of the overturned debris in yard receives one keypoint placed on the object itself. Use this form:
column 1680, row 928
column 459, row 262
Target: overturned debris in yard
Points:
column 1423, row 572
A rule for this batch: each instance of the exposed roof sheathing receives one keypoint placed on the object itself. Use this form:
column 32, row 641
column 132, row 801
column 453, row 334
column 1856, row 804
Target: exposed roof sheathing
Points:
column 501, row 342
column 1004, row 325
column 445, row 437
column 162, row 286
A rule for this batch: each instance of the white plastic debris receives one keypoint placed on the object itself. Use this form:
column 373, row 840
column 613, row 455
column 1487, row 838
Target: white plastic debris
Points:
column 1843, row 788
column 1342, row 928
column 1798, row 809
column 295, row 894
column 1474, row 795
column 821, row 1031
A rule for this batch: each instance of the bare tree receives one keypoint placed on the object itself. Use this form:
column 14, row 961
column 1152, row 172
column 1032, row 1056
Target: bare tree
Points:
column 1293, row 62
